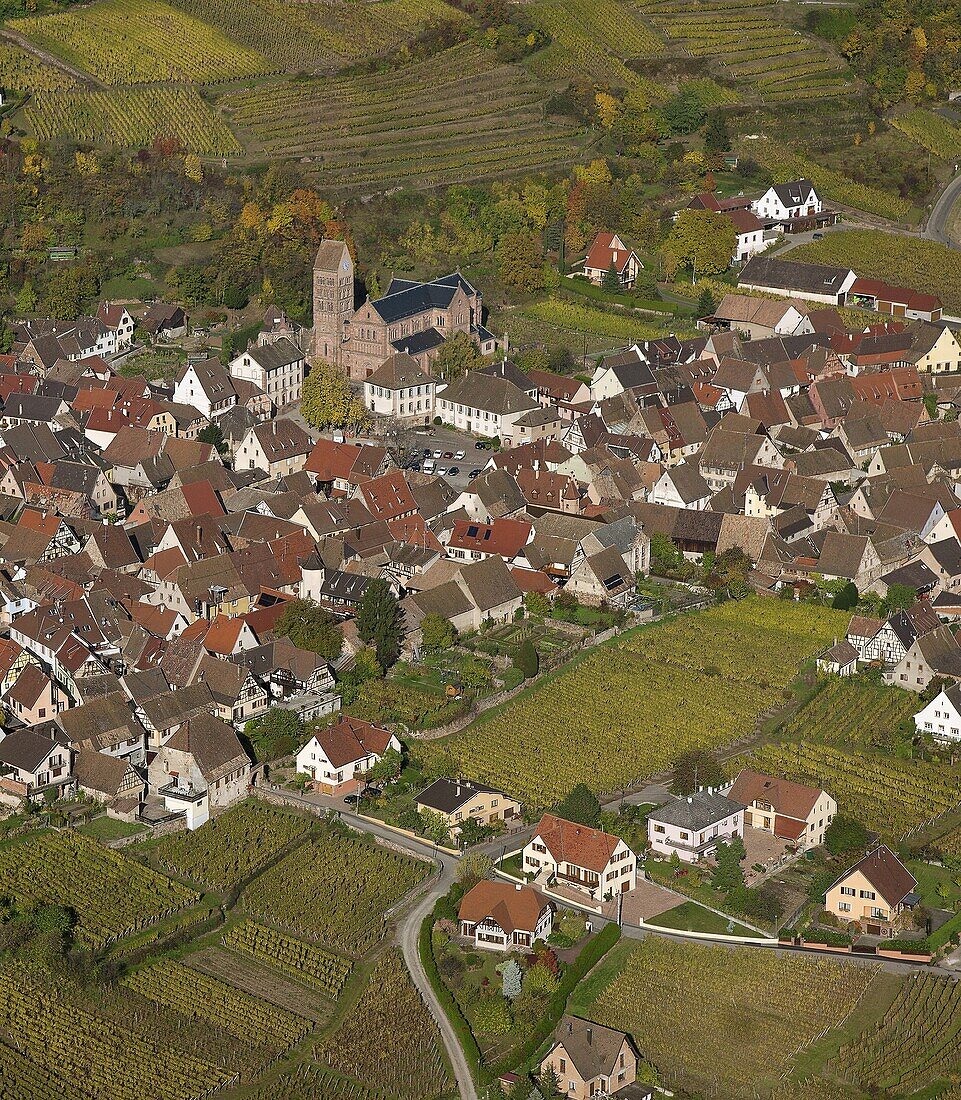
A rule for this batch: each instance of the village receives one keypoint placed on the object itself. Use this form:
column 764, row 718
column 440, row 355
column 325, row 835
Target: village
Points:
column 215, row 594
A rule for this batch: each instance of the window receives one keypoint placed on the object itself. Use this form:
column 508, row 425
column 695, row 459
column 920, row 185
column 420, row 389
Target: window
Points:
column 878, row 914
column 868, row 894
column 848, row 891
column 658, row 828
column 844, row 906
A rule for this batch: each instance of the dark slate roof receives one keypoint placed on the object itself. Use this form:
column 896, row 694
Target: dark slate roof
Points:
column 699, row 811
column 447, row 795
column 278, row 354
column 418, row 342
column 405, row 299
column 791, row 275
column 25, row 749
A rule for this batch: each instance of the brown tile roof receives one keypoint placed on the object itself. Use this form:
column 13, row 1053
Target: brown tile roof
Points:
column 787, row 798
column 886, row 873
column 571, row 843
column 213, row 744
column 352, row 739
column 512, row 908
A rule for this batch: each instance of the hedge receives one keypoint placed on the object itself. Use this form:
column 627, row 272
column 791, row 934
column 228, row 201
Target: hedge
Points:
column 828, row 939
column 557, row 1006
column 633, row 301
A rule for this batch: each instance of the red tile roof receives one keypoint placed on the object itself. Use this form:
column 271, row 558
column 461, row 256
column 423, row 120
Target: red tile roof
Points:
column 568, row 842
column 886, row 873
column 352, row 739
column 506, row 537
column 602, row 251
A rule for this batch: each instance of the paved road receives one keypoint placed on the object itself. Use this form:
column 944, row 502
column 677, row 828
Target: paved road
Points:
column 940, row 220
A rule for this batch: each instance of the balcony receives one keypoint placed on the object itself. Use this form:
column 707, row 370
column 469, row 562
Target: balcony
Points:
column 182, row 793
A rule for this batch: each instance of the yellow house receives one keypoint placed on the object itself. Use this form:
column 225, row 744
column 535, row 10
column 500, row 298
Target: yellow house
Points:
column 456, row 800
column 591, row 1060
column 936, row 349
column 878, row 891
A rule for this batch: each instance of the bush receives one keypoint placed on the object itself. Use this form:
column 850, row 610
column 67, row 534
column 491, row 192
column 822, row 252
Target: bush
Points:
column 493, row 1016
column 526, row 660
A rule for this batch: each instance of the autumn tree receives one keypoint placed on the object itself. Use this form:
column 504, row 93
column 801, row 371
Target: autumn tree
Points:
column 326, row 398
column 458, row 354
column 309, row 626
column 703, row 241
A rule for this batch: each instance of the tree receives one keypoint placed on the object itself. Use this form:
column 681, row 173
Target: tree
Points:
column 493, row 1016
column 684, row 113
column 703, row 241
column 900, row 597
column 526, row 659
column 435, row 827
column 325, row 400
column 437, row 633
column 611, row 279
column 364, row 669
column 665, row 556
column 696, row 769
column 550, row 1083
column 387, row 768
column 473, row 867
column 274, row 734
column 844, row 835
column 537, row 604
column 705, row 303
column 458, row 354
column 717, row 138
column 580, row 805
column 511, row 979
column 847, row 599
column 380, row 622
column 214, row 436
column 728, row 875
column 310, row 627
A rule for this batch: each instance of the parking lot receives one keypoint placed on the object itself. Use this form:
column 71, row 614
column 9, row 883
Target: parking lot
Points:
column 452, row 443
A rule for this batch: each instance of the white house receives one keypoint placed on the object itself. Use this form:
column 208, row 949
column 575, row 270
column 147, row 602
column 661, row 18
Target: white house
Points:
column 116, row 318
column 484, row 404
column 785, row 201
column 941, row 718
column 575, row 855
column 749, row 232
column 337, row 759
column 692, row 826
column 401, row 389
column 791, row 811
column 277, row 368
column 503, row 915
column 682, row 487
column 609, row 251
column 206, row 385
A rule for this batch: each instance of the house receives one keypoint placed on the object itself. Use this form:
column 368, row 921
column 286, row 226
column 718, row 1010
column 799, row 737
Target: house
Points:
column 276, row 368
column 575, row 855
column 812, row 282
column 895, row 300
column 786, row 202
column 593, row 1061
column 337, row 758
column 748, row 233
column 609, row 252
column 505, row 916
column 693, row 826
column 32, row 763
column 456, row 800
column 205, row 384
column 941, row 718
column 878, row 892
column 33, row 697
column 486, row 405
column 682, row 486
column 841, row 659
column 164, row 322
column 603, row 578
column 791, row 811
column 760, row 318
column 110, row 780
column 116, row 318
column 401, row 389
column 933, row 654
column 279, row 446
column 202, row 768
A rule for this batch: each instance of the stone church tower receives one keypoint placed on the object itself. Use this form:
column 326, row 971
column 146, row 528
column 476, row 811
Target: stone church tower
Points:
column 333, row 301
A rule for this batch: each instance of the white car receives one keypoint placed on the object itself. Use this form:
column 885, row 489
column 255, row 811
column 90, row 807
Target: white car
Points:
column 460, row 456
column 438, row 454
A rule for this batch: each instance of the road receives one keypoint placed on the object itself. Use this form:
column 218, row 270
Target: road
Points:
column 940, row 220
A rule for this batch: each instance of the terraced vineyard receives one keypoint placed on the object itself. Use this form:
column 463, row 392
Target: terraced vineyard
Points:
column 141, row 41
column 687, row 684
column 916, row 1044
column 853, row 711
column 133, row 117
column 753, row 43
column 457, row 116
column 298, row 37
column 932, row 131
column 24, row 72
column 591, row 37
column 309, row 964
column 309, row 1082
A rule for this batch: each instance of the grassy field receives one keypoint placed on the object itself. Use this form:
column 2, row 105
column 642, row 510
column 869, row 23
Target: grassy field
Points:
column 904, row 261
column 722, row 1022
column 691, row 917
column 690, row 683
column 754, row 44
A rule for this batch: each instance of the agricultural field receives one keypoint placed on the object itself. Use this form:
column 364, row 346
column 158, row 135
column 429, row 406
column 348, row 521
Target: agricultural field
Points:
column 456, row 116
column 24, row 72
column 365, row 878
column 200, row 996
column 140, row 42
column 390, row 1037
column 916, row 1045
column 754, row 44
column 758, row 1006
column 100, row 1059
column 132, row 117
column 297, row 37
column 111, row 894
column 931, row 130
column 904, row 261
column 575, row 317
column 690, row 683
column 891, row 796
column 307, row 963
column 853, row 712
column 310, row 1082
column 231, row 847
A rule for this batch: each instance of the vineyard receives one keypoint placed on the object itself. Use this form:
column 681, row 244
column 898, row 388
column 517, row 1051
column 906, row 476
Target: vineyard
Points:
column 110, row 894
column 99, row 1060
column 141, row 41
column 26, row 73
column 364, row 878
column 753, row 44
column 309, row 1082
column 890, row 795
column 200, row 996
column 854, row 711
column 309, row 964
column 456, row 116
column 787, row 164
column 297, row 37
column 21, row 1079
column 757, row 1005
column 231, row 847
column 691, row 683
column 584, row 318
column 132, row 117
column 904, row 261
column 917, row 1043
column 932, row 131
column 590, row 37
column 390, row 1037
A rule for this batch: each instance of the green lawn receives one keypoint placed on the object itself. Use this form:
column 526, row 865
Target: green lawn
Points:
column 691, row 917
column 109, row 828
column 930, row 878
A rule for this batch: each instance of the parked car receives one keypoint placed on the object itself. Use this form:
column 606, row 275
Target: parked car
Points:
column 352, row 799
column 480, row 445
column 415, row 466
column 438, row 454
column 817, row 236
column 460, row 456
column 441, row 471
column 448, row 454
column 454, row 471
column 474, row 473
column 426, row 452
